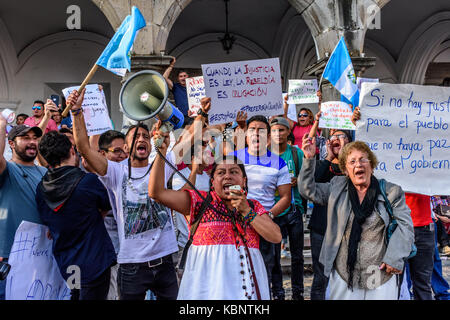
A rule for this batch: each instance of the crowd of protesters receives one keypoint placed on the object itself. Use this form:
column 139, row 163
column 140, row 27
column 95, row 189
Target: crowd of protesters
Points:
column 205, row 219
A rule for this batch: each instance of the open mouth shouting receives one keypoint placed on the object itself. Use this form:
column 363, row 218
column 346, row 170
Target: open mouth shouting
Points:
column 31, row 150
column 142, row 150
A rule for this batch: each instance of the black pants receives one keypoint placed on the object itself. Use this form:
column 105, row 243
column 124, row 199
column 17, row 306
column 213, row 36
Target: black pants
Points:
column 421, row 266
column 94, row 290
column 293, row 223
column 320, row 281
column 442, row 236
column 159, row 276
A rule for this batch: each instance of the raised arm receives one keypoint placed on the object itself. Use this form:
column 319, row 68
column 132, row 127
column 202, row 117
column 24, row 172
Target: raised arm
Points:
column 286, row 109
column 166, row 74
column 177, row 200
column 48, row 108
column 96, row 161
column 308, row 188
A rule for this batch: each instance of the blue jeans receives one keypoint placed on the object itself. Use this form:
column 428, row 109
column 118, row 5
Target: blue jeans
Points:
column 2, row 289
column 293, row 223
column 421, row 266
column 135, row 279
column 320, row 281
column 438, row 283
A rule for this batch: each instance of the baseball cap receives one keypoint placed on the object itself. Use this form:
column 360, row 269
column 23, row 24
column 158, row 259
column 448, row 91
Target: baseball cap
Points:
column 23, row 129
column 280, row 120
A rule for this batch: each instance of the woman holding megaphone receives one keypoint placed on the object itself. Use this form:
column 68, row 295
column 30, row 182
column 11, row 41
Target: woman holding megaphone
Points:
column 224, row 262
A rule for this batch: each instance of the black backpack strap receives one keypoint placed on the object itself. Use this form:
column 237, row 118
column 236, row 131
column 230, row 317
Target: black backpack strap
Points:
column 194, row 227
column 296, row 162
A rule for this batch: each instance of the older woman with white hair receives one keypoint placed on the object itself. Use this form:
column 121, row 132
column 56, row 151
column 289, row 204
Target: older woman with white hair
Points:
column 359, row 262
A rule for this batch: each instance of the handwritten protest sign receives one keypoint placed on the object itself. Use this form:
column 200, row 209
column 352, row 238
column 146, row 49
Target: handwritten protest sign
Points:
column 34, row 273
column 303, row 91
column 195, row 91
column 252, row 86
column 95, row 110
column 407, row 127
column 336, row 115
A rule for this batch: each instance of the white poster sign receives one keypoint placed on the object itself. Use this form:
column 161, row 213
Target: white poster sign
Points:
column 95, row 110
column 360, row 81
column 195, row 91
column 292, row 110
column 336, row 115
column 407, row 127
column 34, row 273
column 252, row 86
column 303, row 91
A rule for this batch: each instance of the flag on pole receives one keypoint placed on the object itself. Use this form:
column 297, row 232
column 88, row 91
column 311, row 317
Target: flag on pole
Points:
column 339, row 71
column 116, row 56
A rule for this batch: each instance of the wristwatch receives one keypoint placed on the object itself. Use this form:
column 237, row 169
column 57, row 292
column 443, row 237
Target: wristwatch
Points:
column 271, row 214
column 201, row 113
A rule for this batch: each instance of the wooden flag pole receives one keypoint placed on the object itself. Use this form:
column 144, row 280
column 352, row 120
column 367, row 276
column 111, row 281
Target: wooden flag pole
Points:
column 83, row 85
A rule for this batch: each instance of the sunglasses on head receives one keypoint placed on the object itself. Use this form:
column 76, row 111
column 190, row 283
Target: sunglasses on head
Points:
column 36, row 107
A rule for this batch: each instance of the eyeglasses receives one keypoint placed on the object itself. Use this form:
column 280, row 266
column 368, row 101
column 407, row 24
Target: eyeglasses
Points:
column 338, row 136
column 36, row 107
column 303, row 115
column 116, row 151
column 353, row 162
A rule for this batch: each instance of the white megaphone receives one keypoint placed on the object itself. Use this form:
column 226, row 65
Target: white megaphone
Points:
column 145, row 95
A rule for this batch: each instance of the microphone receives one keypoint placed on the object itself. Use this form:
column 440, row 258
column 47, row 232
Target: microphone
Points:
column 25, row 175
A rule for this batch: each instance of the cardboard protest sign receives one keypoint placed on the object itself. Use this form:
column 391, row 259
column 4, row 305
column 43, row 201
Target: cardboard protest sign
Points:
column 252, row 86
column 195, row 91
column 34, row 273
column 95, row 110
column 407, row 127
column 303, row 91
column 336, row 115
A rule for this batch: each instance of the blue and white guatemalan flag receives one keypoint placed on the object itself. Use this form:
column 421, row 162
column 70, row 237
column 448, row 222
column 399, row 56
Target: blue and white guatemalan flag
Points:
column 339, row 71
column 116, row 56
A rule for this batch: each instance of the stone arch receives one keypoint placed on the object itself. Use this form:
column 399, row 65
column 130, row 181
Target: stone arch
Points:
column 241, row 41
column 293, row 46
column 49, row 40
column 172, row 13
column 8, row 66
column 109, row 12
column 422, row 47
column 384, row 56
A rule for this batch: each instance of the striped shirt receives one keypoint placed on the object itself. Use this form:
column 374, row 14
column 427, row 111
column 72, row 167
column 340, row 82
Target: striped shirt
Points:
column 264, row 175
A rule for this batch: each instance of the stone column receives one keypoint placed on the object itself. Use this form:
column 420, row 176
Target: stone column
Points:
column 328, row 21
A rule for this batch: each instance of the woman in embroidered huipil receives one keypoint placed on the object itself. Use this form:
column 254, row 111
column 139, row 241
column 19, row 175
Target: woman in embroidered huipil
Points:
column 224, row 260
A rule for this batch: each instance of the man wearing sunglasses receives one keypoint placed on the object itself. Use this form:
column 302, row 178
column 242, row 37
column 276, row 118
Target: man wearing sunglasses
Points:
column 42, row 116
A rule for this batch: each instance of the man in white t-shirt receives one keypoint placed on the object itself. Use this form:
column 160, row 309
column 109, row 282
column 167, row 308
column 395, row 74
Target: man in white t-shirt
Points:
column 145, row 228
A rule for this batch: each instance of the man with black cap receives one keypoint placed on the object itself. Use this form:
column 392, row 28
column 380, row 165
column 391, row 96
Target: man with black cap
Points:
column 18, row 180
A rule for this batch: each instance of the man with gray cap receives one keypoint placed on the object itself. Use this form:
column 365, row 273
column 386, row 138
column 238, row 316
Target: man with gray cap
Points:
column 291, row 220
column 18, row 180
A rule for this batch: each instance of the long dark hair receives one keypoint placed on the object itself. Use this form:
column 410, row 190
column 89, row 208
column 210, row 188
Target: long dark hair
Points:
column 235, row 160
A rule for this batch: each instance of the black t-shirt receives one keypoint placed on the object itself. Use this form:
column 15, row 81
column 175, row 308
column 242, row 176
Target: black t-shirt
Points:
column 79, row 234
column 325, row 171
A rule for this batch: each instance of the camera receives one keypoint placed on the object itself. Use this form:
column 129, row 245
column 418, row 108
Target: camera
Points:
column 4, row 270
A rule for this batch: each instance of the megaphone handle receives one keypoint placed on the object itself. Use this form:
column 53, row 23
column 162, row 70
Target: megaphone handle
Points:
column 165, row 127
column 83, row 85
